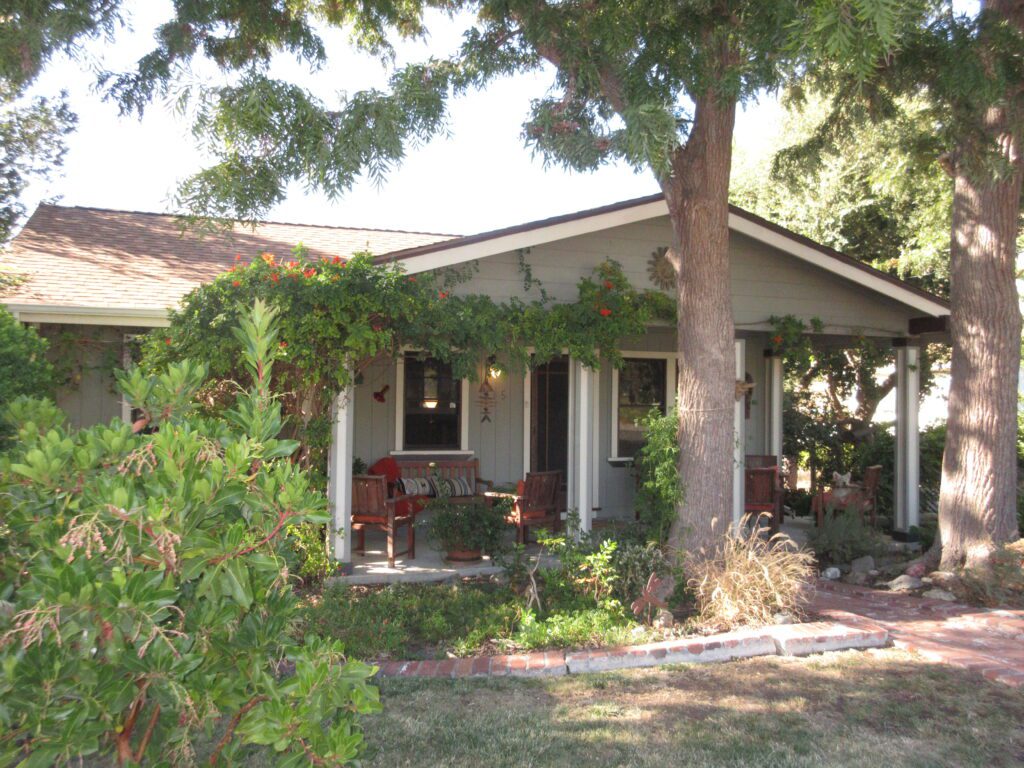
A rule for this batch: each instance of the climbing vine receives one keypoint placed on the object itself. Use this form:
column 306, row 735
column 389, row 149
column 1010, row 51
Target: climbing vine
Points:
column 339, row 316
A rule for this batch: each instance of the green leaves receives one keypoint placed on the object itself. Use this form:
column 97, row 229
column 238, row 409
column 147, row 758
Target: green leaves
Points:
column 148, row 580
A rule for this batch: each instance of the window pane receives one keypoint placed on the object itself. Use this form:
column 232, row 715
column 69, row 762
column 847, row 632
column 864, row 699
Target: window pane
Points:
column 432, row 405
column 641, row 387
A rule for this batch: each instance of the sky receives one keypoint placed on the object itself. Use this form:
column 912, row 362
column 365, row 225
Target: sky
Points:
column 477, row 178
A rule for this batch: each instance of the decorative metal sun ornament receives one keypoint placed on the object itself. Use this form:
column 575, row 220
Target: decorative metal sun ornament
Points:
column 660, row 269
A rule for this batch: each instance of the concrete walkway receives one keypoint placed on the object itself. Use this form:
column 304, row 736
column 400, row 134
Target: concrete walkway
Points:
column 988, row 641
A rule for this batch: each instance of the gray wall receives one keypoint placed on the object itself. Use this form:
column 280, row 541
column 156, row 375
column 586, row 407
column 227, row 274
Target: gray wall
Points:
column 87, row 354
column 765, row 281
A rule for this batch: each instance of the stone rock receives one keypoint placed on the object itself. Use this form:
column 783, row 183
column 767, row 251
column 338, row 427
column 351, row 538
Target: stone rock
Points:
column 862, row 564
column 917, row 570
column 783, row 618
column 663, row 620
column 905, row 583
column 831, row 573
column 874, row 573
column 939, row 594
column 859, row 578
column 926, row 580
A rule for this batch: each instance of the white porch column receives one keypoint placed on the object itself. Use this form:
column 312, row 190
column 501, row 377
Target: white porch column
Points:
column 584, row 444
column 739, row 438
column 908, row 466
column 339, row 476
column 773, row 404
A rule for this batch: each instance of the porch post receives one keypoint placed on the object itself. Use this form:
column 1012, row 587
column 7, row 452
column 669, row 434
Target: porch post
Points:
column 908, row 466
column 584, row 445
column 773, row 404
column 738, row 438
column 339, row 476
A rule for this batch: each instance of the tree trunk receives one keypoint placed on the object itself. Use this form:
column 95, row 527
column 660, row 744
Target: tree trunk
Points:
column 697, row 194
column 977, row 499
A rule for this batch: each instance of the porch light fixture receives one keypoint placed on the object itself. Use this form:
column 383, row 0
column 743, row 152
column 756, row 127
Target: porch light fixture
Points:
column 493, row 371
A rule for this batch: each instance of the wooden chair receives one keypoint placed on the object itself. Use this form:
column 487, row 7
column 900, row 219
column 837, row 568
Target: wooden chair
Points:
column 371, row 508
column 872, row 477
column 760, row 461
column 860, row 496
column 537, row 505
column 762, row 494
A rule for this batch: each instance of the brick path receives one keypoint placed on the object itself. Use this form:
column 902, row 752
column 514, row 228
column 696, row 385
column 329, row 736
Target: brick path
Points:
column 988, row 641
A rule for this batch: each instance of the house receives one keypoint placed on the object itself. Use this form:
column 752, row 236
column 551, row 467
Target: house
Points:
column 101, row 276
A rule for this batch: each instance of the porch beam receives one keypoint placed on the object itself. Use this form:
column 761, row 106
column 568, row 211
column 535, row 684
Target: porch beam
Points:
column 773, row 403
column 339, row 476
column 908, row 465
column 739, row 438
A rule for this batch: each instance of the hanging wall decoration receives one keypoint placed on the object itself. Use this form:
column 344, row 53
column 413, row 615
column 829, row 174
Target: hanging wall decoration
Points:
column 380, row 394
column 485, row 399
column 660, row 269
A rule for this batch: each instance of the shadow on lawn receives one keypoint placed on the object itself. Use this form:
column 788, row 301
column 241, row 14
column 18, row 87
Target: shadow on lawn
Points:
column 848, row 709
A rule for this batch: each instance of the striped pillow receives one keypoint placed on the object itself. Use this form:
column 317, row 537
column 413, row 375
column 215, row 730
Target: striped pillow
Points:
column 451, row 486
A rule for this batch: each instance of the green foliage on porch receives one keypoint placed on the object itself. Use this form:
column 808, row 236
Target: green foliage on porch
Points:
column 338, row 316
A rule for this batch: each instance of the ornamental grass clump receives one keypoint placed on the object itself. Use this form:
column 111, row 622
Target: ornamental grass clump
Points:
column 749, row 579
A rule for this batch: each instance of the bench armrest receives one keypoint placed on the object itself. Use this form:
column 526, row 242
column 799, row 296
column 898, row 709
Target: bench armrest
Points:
column 486, row 483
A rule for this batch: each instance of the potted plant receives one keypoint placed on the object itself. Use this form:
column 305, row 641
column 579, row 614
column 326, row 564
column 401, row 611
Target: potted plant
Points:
column 465, row 532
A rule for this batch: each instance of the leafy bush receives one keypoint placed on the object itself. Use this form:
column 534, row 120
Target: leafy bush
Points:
column 412, row 620
column 748, row 579
column 582, row 628
column 659, row 492
column 149, row 598
column 24, row 369
column 844, row 537
column 634, row 562
column 474, row 526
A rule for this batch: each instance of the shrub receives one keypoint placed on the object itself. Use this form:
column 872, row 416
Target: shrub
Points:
column 844, row 537
column 634, row 562
column 473, row 526
column 748, row 579
column 149, row 596
column 24, row 369
column 658, row 491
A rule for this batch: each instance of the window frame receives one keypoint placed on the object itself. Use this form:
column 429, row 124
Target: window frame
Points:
column 671, row 377
column 400, row 449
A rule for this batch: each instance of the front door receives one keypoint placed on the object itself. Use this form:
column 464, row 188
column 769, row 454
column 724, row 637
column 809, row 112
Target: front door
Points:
column 549, row 428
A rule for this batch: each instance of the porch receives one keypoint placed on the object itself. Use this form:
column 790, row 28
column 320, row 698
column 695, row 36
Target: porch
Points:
column 563, row 415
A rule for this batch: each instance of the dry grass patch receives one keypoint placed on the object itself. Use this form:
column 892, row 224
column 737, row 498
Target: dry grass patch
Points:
column 749, row 579
column 843, row 709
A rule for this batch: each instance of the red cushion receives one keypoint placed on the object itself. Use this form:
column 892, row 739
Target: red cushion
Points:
column 387, row 467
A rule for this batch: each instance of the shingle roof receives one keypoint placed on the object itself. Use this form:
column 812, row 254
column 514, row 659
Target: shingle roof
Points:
column 90, row 257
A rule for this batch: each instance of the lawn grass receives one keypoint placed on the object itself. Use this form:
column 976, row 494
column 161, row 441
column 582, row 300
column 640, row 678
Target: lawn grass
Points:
column 881, row 708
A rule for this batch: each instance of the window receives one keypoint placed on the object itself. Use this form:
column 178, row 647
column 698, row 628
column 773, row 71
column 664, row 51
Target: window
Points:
column 432, row 407
column 643, row 384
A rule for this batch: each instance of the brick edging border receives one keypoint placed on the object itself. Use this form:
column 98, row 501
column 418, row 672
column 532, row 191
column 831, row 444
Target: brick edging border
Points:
column 841, row 631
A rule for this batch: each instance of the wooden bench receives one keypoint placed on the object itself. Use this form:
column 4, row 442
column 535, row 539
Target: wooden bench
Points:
column 467, row 469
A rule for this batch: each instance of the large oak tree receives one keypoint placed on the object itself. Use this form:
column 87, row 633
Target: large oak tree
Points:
column 968, row 71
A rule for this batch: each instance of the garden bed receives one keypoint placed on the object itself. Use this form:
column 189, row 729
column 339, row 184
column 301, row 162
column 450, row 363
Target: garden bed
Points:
column 472, row 617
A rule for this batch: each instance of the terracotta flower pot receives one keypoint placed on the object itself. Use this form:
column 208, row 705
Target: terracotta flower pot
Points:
column 463, row 555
